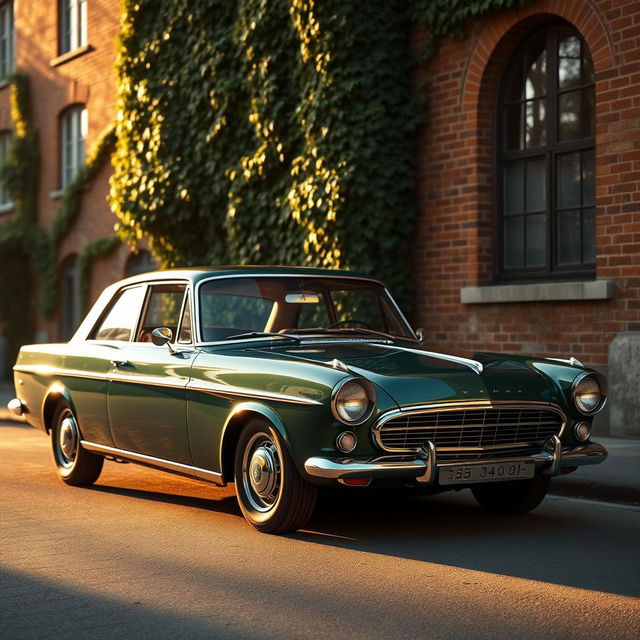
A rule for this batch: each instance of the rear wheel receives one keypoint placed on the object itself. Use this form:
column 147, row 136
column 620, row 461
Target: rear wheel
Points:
column 517, row 496
column 76, row 466
column 273, row 496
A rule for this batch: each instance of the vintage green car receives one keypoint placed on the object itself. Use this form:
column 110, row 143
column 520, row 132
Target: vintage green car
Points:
column 284, row 380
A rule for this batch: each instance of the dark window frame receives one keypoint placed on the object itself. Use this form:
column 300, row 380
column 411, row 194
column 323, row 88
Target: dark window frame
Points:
column 550, row 151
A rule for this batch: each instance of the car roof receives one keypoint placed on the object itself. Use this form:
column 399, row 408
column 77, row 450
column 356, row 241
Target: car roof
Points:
column 195, row 274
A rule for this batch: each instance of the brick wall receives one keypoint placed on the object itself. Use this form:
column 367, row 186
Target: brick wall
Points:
column 454, row 236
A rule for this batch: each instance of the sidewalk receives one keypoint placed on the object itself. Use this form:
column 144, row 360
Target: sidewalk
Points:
column 617, row 479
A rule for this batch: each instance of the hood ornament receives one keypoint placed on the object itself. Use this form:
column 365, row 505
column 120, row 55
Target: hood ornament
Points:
column 338, row 364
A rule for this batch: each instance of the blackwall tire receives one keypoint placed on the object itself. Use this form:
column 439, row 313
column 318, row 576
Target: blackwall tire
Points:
column 273, row 496
column 514, row 497
column 75, row 466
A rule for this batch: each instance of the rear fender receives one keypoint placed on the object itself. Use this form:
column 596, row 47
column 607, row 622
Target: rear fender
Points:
column 54, row 394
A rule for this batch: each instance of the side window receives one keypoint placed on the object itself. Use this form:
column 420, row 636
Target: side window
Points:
column 122, row 318
column 164, row 305
column 186, row 332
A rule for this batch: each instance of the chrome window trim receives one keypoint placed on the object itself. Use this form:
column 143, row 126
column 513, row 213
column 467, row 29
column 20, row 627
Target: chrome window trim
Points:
column 457, row 406
column 201, row 343
column 161, row 463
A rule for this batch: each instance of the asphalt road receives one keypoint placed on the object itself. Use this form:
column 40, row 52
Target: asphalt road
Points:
column 144, row 554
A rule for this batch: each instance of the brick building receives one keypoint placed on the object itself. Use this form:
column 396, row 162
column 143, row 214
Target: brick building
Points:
column 528, row 238
column 67, row 50
column 528, row 233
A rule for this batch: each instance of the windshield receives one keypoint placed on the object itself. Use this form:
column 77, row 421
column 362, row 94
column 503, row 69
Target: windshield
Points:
column 229, row 307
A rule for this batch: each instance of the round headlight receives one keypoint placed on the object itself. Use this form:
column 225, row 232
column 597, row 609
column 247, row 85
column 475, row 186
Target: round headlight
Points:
column 352, row 402
column 587, row 395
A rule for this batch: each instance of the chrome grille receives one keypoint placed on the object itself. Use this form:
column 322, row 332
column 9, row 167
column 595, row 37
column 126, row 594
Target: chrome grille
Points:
column 468, row 433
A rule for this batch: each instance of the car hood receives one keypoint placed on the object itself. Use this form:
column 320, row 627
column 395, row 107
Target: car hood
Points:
column 413, row 376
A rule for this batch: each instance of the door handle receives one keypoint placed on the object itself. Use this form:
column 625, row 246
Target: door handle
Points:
column 121, row 363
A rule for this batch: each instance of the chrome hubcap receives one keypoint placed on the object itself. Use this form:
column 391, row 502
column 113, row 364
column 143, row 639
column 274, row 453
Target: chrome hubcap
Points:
column 68, row 440
column 261, row 472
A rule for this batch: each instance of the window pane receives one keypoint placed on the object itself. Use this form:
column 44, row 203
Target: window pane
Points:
column 185, row 327
column 569, row 180
column 163, row 308
column 588, row 76
column 568, row 62
column 120, row 322
column 536, row 240
column 536, row 185
column 569, row 115
column 536, row 82
column 535, row 123
column 588, row 113
column 514, row 188
column 513, row 242
column 589, row 236
column 588, row 178
column 513, row 127
column 569, row 237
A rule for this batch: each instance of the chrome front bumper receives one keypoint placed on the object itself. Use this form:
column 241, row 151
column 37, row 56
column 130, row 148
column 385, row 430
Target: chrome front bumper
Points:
column 424, row 466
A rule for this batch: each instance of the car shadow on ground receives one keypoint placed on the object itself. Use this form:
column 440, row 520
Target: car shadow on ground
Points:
column 562, row 542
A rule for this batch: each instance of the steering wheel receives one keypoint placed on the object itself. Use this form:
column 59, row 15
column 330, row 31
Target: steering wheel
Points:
column 346, row 323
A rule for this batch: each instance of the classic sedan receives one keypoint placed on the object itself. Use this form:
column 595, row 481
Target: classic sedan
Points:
column 283, row 380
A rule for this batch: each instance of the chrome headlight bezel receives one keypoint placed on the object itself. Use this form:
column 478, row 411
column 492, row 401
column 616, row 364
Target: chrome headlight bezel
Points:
column 575, row 390
column 371, row 400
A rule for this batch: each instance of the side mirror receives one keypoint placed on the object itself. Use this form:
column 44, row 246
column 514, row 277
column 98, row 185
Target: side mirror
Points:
column 161, row 336
column 420, row 334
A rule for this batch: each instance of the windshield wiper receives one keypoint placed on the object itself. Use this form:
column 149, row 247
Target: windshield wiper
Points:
column 263, row 334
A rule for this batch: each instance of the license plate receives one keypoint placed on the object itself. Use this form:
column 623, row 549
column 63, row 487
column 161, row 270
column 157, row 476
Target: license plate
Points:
column 493, row 472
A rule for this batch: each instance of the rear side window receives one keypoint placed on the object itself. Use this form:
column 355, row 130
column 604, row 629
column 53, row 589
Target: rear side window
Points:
column 122, row 318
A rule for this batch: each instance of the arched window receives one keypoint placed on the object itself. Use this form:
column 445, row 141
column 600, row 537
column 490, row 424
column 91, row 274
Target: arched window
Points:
column 139, row 262
column 546, row 159
column 74, row 123
column 5, row 141
column 69, row 298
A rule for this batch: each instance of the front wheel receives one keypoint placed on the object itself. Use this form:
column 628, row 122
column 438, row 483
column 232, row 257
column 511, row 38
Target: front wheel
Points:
column 273, row 496
column 76, row 466
column 516, row 496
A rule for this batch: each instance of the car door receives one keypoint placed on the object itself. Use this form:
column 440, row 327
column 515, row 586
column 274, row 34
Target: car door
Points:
column 147, row 383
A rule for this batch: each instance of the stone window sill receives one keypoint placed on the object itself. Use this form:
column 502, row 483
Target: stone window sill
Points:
column 539, row 292
column 7, row 207
column 57, row 194
column 70, row 55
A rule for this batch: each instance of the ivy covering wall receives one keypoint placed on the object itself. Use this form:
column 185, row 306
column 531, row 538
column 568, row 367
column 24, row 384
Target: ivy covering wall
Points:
column 273, row 132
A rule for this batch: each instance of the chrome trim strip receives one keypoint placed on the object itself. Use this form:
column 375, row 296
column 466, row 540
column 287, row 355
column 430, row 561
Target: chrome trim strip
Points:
column 457, row 406
column 49, row 370
column 161, row 463
column 153, row 381
column 474, row 365
column 224, row 390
